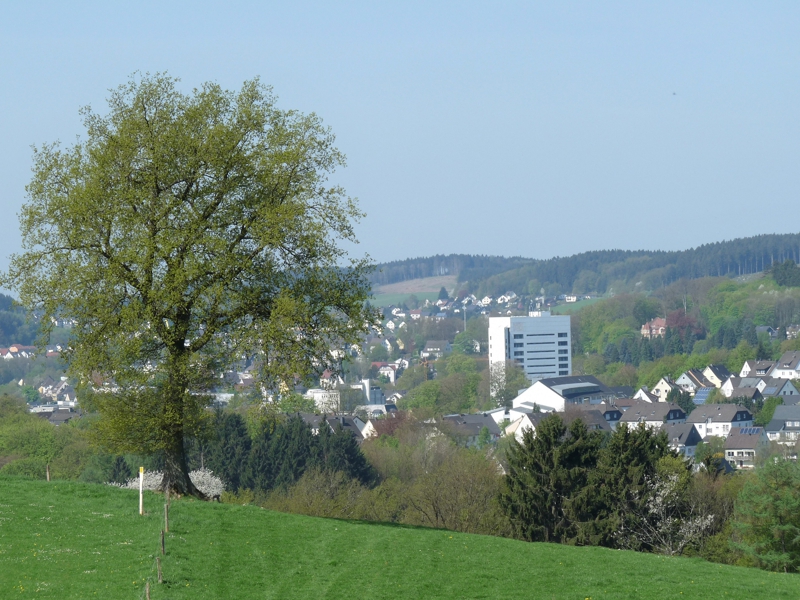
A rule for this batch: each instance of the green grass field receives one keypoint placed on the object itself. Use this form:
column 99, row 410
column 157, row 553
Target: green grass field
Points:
column 68, row 540
column 568, row 309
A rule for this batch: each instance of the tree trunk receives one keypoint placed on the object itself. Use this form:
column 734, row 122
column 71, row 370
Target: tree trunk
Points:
column 176, row 471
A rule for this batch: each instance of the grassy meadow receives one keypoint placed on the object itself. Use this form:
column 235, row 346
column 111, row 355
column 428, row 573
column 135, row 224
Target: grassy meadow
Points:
column 69, row 540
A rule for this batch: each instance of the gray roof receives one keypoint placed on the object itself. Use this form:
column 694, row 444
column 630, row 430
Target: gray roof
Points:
column 591, row 417
column 651, row 411
column 682, row 434
column 574, row 386
column 472, row 424
column 719, row 413
column 749, row 393
column 788, row 360
column 720, row 371
column 744, row 437
column 781, row 415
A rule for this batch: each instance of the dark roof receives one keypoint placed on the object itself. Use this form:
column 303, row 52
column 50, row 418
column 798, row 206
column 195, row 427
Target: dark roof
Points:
column 623, row 391
column 718, row 413
column 748, row 393
column 744, row 437
column 651, row 411
column 591, row 417
column 683, row 434
column 720, row 371
column 574, row 386
column 696, row 376
column 788, row 360
column 781, row 415
column 610, row 412
column 471, row 425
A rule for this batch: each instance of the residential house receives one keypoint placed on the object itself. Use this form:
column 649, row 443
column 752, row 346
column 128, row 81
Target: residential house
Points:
column 662, row 389
column 610, row 412
column 784, row 388
column 784, row 427
column 756, row 368
column 416, row 314
column 593, row 418
column 718, row 419
column 655, row 328
column 506, row 298
column 716, row 374
column 766, row 330
column 644, row 395
column 468, row 427
column 556, row 393
column 526, row 422
column 653, row 415
column 788, row 366
column 326, row 400
column 692, row 380
column 436, row 349
column 351, row 425
column 743, row 444
column 683, row 437
column 389, row 371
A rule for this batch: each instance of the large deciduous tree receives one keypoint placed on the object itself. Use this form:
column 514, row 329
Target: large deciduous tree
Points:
column 185, row 232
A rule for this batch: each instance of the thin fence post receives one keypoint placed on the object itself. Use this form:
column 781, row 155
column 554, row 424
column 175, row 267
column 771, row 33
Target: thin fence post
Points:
column 48, row 471
column 166, row 518
column 163, row 549
column 141, row 490
column 158, row 562
column 147, row 590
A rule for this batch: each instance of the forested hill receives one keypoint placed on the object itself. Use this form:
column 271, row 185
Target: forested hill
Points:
column 598, row 271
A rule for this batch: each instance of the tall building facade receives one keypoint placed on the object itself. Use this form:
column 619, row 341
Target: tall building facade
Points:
column 540, row 343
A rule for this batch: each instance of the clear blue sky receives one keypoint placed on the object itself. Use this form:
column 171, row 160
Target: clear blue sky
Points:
column 534, row 129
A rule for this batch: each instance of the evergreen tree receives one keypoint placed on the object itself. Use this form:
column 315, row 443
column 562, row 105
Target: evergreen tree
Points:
column 547, row 472
column 120, row 470
column 767, row 517
column 229, row 450
column 339, row 451
column 293, row 449
column 619, row 483
column 259, row 471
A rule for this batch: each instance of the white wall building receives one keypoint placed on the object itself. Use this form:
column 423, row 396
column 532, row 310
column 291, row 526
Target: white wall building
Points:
column 540, row 343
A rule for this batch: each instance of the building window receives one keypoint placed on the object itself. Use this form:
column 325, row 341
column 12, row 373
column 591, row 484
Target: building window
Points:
column 562, row 335
column 562, row 372
column 562, row 343
column 517, row 336
column 518, row 353
column 519, row 345
column 563, row 351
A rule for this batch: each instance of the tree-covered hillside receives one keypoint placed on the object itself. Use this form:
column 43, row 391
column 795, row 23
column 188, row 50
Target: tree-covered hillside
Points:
column 599, row 271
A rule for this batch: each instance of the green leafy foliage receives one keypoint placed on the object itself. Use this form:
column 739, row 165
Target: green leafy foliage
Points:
column 187, row 229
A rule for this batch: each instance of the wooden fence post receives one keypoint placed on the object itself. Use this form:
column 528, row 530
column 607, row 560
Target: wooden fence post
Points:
column 147, row 591
column 163, row 548
column 158, row 561
column 166, row 518
column 48, row 471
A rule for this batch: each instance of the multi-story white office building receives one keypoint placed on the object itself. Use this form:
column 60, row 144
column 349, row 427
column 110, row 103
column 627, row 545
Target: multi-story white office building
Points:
column 540, row 343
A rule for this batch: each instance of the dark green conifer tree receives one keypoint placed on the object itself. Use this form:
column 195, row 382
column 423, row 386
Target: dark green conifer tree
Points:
column 618, row 483
column 547, row 472
column 229, row 450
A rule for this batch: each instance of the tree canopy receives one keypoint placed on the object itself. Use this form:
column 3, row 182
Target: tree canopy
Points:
column 188, row 231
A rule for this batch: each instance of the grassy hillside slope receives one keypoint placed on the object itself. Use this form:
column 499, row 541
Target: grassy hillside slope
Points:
column 69, row 540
